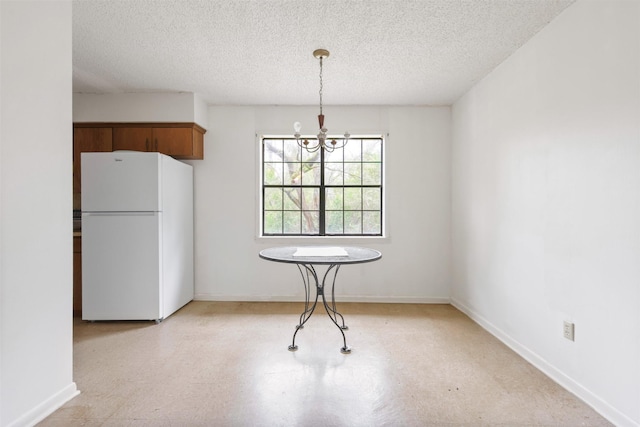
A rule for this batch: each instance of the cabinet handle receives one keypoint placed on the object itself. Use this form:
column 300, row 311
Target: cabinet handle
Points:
column 156, row 149
column 146, row 144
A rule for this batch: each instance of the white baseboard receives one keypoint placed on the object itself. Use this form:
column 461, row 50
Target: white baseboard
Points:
column 603, row 408
column 47, row 407
column 339, row 299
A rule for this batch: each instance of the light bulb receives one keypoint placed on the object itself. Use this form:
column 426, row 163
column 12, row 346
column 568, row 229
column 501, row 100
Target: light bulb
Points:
column 297, row 127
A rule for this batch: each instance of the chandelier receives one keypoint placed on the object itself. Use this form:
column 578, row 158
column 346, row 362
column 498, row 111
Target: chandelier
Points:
column 322, row 135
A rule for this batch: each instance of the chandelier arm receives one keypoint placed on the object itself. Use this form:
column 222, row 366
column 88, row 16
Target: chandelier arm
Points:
column 314, row 148
column 310, row 149
column 330, row 147
column 344, row 143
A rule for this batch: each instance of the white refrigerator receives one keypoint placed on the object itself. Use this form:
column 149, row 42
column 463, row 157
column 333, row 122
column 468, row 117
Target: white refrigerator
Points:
column 137, row 235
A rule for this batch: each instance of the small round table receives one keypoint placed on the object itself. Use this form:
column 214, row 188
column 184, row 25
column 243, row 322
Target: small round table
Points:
column 305, row 258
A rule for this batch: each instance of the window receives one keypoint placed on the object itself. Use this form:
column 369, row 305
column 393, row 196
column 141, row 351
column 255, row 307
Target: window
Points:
column 321, row 193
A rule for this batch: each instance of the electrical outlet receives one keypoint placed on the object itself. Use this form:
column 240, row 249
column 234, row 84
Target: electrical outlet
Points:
column 569, row 331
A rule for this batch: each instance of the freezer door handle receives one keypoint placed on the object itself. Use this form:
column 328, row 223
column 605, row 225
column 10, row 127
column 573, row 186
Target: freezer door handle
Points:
column 115, row 213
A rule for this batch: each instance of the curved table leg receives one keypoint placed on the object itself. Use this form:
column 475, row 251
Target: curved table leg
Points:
column 332, row 312
column 308, row 308
column 331, row 309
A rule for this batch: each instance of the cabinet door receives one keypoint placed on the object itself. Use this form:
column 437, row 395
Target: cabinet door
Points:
column 176, row 142
column 88, row 140
column 77, row 276
column 133, row 138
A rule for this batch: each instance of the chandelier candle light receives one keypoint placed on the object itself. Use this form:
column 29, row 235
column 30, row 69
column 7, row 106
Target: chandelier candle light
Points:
column 322, row 135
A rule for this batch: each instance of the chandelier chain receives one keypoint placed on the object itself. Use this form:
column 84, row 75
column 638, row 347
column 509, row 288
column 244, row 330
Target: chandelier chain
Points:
column 320, row 86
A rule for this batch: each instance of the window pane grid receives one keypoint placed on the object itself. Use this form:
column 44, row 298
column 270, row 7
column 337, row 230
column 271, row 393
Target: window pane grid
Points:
column 338, row 193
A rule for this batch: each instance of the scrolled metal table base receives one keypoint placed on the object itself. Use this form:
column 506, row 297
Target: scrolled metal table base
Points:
column 309, row 277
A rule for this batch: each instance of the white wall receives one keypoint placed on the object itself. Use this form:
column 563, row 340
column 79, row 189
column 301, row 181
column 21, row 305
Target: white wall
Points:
column 35, row 210
column 416, row 255
column 546, row 203
column 139, row 107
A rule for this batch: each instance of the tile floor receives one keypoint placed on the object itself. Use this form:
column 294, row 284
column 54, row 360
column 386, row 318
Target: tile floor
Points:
column 227, row 364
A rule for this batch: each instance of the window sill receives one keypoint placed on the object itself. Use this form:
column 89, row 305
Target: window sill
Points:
column 323, row 239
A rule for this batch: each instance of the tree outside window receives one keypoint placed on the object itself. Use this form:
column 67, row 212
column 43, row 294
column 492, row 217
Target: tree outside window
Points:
column 322, row 194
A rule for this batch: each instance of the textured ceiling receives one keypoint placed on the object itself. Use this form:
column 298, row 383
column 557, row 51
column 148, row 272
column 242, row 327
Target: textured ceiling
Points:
column 259, row 52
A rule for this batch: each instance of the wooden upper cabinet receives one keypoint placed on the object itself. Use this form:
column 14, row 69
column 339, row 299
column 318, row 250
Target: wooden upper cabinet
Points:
column 133, row 138
column 87, row 139
column 178, row 140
